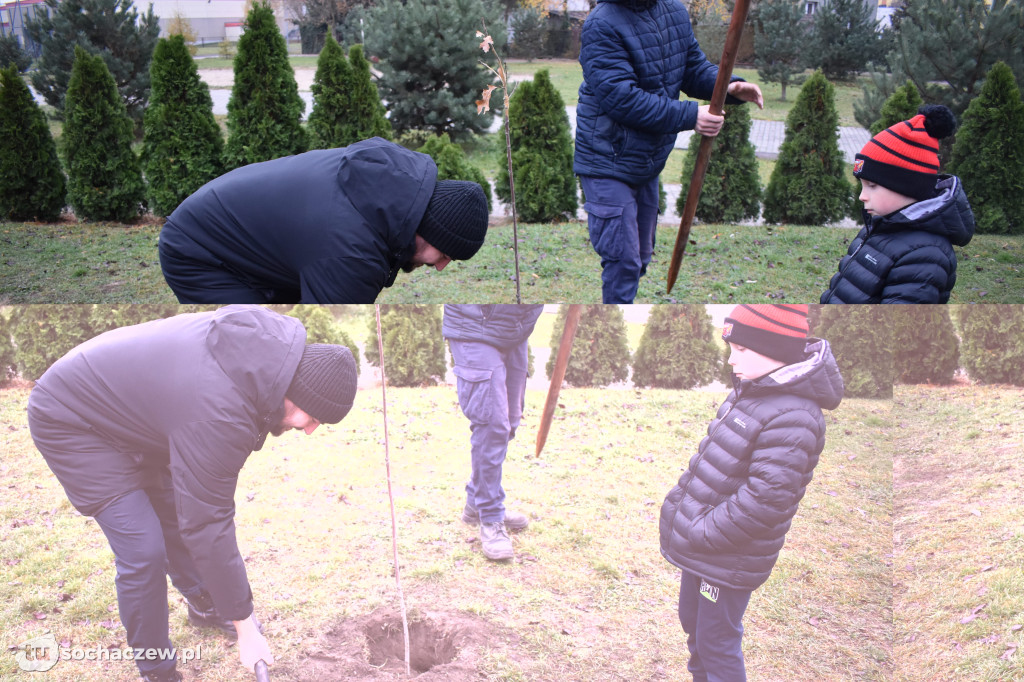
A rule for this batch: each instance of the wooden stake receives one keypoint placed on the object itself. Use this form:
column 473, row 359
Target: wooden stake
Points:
column 572, row 320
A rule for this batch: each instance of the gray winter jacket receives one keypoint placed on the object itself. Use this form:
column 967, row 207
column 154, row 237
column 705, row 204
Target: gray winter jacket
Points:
column 497, row 325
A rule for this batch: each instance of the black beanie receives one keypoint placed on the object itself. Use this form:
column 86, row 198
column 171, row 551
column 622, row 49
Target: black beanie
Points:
column 324, row 384
column 455, row 222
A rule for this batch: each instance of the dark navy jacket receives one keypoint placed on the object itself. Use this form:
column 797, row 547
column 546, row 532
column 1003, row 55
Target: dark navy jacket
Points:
column 637, row 57
column 727, row 518
column 906, row 256
column 327, row 226
column 192, row 395
column 501, row 326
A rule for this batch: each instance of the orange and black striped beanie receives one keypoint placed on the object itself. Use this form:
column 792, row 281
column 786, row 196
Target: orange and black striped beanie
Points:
column 777, row 331
column 905, row 157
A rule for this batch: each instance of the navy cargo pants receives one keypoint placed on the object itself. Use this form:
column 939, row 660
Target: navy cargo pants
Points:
column 491, row 384
column 712, row 618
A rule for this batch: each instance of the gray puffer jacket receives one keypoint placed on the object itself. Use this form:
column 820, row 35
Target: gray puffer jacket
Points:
column 727, row 518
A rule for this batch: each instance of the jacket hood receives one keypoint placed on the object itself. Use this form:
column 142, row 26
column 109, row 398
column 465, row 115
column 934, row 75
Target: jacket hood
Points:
column 816, row 377
column 948, row 214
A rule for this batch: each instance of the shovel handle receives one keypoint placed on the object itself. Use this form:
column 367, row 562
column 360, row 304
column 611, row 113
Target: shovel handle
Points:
column 262, row 672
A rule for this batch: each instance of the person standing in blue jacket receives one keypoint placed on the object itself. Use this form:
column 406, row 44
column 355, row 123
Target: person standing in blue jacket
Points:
column 327, row 226
column 637, row 56
column 147, row 427
column 491, row 354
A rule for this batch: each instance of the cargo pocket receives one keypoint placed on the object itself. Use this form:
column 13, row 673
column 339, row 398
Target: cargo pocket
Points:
column 604, row 222
column 474, row 389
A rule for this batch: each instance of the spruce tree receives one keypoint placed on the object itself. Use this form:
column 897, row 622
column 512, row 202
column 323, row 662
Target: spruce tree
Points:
column 677, row 349
column 808, row 185
column 988, row 154
column 732, row 186
column 413, row 346
column 901, row 105
column 430, row 66
column 265, row 109
column 925, row 347
column 599, row 355
column 32, row 183
column 861, row 340
column 843, row 38
column 104, row 176
column 542, row 153
column 12, row 53
column 346, row 106
column 182, row 143
column 780, row 40
column 112, row 29
column 527, row 25
column 992, row 348
column 452, row 163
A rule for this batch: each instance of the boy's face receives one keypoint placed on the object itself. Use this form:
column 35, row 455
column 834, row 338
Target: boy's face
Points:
column 880, row 200
column 749, row 365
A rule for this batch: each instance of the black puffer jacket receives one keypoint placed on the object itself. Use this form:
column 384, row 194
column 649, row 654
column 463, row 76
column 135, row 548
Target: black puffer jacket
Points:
column 907, row 256
column 498, row 325
column 727, row 518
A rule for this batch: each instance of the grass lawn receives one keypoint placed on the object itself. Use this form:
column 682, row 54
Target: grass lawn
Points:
column 587, row 598
column 958, row 542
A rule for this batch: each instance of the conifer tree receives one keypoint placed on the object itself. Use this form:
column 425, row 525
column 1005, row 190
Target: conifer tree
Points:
column 541, row 153
column 452, row 163
column 104, row 176
column 265, row 109
column 901, row 105
column 430, row 66
column 843, row 37
column 413, row 346
column 599, row 355
column 346, row 105
column 925, row 347
column 988, row 154
column 808, row 185
column 112, row 29
column 732, row 186
column 992, row 348
column 12, row 53
column 677, row 349
column 182, row 144
column 32, row 183
column 780, row 40
column 861, row 340
column 321, row 328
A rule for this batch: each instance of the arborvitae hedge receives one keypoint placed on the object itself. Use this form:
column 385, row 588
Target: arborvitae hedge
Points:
column 452, row 163
column 992, row 349
column 31, row 179
column 413, row 346
column 925, row 347
column 346, row 105
column 677, row 349
column 541, row 153
column 732, row 186
column 988, row 154
column 44, row 333
column 183, row 145
column 861, row 340
column 901, row 105
column 265, row 109
column 808, row 185
column 599, row 355
column 321, row 328
column 104, row 176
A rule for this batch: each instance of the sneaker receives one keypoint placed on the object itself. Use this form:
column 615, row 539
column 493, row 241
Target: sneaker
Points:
column 202, row 614
column 169, row 676
column 513, row 520
column 495, row 542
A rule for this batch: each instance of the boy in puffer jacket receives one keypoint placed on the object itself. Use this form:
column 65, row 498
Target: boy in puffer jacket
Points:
column 725, row 521
column 913, row 218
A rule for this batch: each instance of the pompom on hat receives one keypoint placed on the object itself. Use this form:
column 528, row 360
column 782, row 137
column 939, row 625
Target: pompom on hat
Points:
column 324, row 384
column 905, row 157
column 455, row 222
column 776, row 331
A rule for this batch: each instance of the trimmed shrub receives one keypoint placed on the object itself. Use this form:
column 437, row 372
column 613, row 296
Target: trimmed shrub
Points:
column 413, row 346
column 861, row 340
column 32, row 183
column 599, row 355
column 346, row 106
column 988, row 154
column 8, row 359
column 182, row 145
column 265, row 109
column 901, row 105
column 677, row 349
column 104, row 176
column 452, row 163
column 925, row 347
column 732, row 186
column 44, row 333
column 541, row 153
column 808, row 185
column 992, row 349
column 321, row 328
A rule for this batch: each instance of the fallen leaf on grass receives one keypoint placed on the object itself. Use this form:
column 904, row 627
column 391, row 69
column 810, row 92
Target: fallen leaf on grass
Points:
column 1010, row 651
column 973, row 614
column 813, row 620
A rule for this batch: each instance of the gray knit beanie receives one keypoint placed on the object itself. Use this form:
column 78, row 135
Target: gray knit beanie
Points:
column 324, row 384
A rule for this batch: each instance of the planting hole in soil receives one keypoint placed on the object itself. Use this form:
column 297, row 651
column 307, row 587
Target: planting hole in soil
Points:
column 429, row 645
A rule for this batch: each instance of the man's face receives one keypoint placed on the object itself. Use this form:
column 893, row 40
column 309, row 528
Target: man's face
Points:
column 880, row 200
column 749, row 365
column 294, row 418
column 426, row 255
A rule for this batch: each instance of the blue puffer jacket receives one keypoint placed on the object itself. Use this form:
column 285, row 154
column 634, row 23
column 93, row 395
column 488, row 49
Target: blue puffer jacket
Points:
column 637, row 57
column 727, row 518
column 907, row 256
column 500, row 326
